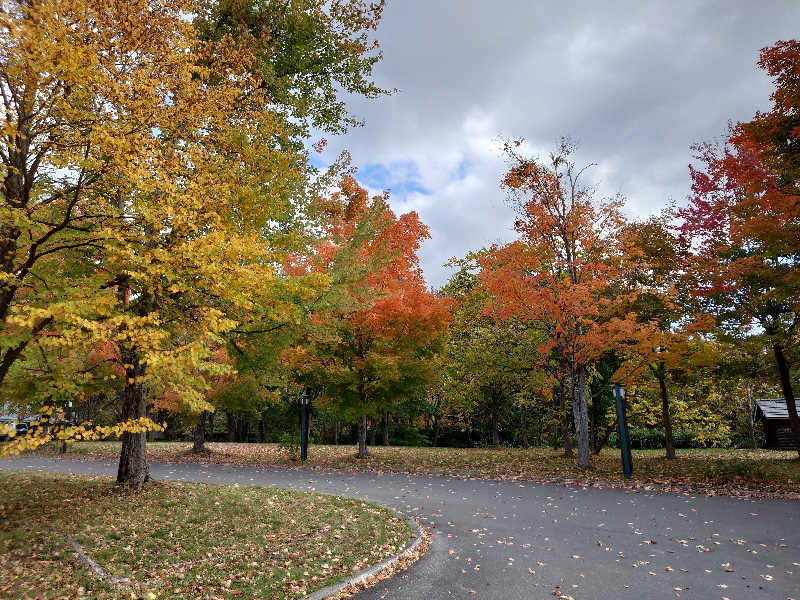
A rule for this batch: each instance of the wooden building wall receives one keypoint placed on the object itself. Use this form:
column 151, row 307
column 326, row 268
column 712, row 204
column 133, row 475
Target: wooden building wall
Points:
column 779, row 434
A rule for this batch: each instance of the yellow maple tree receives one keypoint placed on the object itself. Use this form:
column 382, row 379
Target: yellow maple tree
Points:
column 143, row 199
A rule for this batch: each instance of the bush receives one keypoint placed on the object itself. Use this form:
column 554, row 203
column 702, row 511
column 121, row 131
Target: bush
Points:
column 401, row 434
column 742, row 440
column 729, row 470
column 289, row 444
column 649, row 438
column 641, row 438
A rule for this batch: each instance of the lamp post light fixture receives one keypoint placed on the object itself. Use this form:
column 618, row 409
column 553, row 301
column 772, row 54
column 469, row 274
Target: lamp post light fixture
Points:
column 624, row 442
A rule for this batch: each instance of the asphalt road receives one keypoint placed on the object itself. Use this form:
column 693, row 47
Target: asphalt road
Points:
column 522, row 540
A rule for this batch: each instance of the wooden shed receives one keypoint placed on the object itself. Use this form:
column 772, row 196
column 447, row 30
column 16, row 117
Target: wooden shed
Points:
column 777, row 429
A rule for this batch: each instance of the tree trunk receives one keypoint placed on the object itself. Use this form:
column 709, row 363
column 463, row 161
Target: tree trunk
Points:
column 231, row 417
column 362, row 437
column 750, row 415
column 495, row 418
column 337, row 429
column 593, row 424
column 200, row 433
column 133, row 468
column 604, row 440
column 373, row 432
column 579, row 412
column 262, row 428
column 669, row 440
column 436, row 428
column 211, row 426
column 566, row 438
column 524, row 425
column 788, row 394
column 386, row 428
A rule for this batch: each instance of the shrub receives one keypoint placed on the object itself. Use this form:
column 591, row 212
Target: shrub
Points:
column 729, row 470
column 289, row 444
column 401, row 434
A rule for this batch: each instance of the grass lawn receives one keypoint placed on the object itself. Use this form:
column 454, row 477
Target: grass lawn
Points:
column 178, row 540
column 753, row 470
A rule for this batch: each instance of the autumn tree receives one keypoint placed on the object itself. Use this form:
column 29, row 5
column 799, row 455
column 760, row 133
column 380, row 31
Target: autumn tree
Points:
column 487, row 366
column 307, row 54
column 746, row 367
column 169, row 185
column 662, row 341
column 744, row 219
column 369, row 341
column 560, row 272
column 81, row 94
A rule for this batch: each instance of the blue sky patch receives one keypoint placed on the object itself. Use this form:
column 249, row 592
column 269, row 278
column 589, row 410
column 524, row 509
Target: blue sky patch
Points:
column 402, row 178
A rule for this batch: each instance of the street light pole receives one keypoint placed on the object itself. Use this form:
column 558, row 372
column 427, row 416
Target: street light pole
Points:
column 68, row 420
column 625, row 446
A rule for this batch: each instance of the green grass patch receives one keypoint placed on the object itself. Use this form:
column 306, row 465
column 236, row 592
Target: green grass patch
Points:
column 181, row 540
column 753, row 470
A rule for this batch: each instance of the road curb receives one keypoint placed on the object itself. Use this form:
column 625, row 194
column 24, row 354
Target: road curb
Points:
column 418, row 537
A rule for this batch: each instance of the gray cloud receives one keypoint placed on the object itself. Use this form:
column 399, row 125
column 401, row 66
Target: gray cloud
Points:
column 636, row 84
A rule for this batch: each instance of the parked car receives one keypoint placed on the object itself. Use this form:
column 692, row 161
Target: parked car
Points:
column 8, row 429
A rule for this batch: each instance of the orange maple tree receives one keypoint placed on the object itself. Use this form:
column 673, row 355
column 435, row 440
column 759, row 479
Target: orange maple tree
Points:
column 562, row 270
column 369, row 342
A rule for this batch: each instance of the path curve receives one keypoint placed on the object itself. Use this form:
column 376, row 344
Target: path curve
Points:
column 522, row 540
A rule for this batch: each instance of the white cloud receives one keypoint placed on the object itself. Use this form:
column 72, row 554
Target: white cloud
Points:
column 636, row 83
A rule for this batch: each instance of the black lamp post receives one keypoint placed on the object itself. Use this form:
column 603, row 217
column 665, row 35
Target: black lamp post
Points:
column 67, row 421
column 625, row 446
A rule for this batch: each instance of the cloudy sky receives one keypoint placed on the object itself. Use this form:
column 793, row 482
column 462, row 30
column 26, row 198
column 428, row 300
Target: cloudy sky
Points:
column 636, row 84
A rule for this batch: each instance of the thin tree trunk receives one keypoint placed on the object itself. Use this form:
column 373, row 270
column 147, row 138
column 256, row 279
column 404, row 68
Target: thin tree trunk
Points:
column 750, row 415
column 788, row 394
column 133, row 468
column 495, row 417
column 231, row 418
column 373, row 432
column 262, row 428
column 566, row 438
column 362, row 437
column 579, row 412
column 593, row 424
column 669, row 440
column 211, row 426
column 386, row 428
column 337, row 428
column 556, row 436
column 523, row 418
column 601, row 442
column 436, row 427
column 199, row 433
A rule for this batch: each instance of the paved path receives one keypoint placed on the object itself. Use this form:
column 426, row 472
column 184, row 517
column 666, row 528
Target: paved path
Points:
column 519, row 540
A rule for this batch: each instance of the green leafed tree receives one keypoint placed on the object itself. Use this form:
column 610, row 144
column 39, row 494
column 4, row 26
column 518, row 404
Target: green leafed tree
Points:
column 371, row 340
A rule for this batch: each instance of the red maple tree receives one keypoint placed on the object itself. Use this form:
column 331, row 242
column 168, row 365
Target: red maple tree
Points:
column 744, row 220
